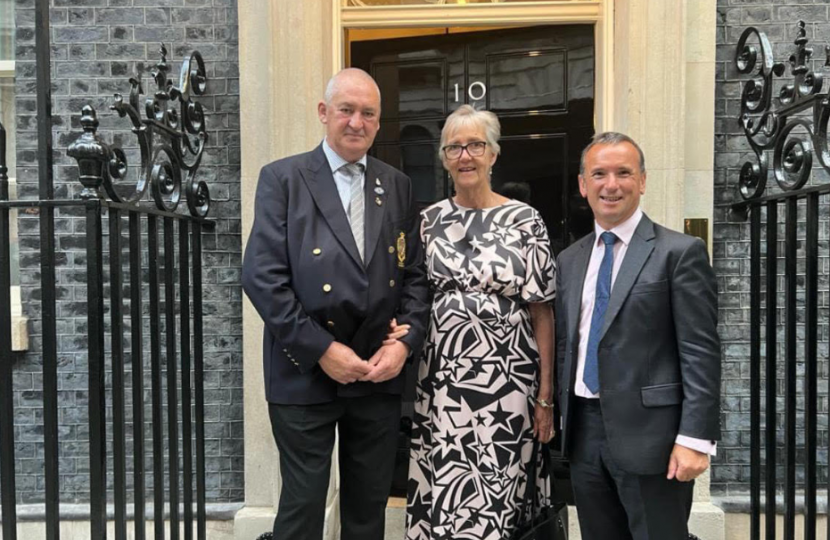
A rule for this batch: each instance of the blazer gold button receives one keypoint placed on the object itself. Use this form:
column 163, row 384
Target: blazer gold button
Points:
column 391, row 282
column 330, row 324
column 326, row 288
column 391, row 249
column 317, row 251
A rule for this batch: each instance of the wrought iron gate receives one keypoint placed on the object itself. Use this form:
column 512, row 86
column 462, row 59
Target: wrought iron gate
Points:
column 171, row 140
column 793, row 126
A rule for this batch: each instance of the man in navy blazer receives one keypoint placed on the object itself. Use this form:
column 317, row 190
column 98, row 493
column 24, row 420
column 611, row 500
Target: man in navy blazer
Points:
column 334, row 255
column 638, row 357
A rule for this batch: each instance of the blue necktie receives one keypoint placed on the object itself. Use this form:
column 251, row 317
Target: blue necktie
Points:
column 591, row 374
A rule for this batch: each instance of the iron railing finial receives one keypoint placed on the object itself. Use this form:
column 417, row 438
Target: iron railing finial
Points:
column 91, row 153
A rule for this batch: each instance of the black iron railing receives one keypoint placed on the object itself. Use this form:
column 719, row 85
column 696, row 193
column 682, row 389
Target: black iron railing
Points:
column 793, row 126
column 171, row 138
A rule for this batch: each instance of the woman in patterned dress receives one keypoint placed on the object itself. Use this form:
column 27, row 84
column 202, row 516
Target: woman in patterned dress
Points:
column 486, row 381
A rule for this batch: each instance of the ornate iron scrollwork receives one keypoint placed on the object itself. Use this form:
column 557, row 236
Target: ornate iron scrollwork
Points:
column 171, row 139
column 768, row 125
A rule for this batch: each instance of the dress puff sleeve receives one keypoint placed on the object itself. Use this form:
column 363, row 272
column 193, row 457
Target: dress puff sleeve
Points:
column 540, row 266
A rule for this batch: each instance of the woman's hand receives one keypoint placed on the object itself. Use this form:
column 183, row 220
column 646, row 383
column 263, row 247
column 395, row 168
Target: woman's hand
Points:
column 543, row 423
column 396, row 332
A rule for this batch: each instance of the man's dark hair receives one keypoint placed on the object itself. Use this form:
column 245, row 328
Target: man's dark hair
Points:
column 611, row 137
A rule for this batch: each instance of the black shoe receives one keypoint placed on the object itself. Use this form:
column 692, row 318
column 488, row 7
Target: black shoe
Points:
column 269, row 536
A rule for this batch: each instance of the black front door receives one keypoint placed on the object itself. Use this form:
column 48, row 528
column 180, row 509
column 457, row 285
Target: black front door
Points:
column 540, row 83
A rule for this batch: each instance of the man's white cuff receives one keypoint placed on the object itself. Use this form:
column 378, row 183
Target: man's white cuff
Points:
column 701, row 445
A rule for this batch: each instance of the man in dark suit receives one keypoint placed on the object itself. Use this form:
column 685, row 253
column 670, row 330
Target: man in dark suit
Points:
column 638, row 357
column 334, row 255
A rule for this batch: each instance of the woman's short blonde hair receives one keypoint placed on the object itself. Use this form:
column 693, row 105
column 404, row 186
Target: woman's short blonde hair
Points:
column 467, row 115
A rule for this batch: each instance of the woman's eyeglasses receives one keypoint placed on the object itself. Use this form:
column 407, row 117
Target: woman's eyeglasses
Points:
column 474, row 149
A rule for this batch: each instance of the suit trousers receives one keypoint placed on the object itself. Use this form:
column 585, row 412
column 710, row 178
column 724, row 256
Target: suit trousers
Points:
column 616, row 505
column 368, row 428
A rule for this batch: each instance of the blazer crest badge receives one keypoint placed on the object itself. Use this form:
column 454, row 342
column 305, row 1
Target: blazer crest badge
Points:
column 401, row 249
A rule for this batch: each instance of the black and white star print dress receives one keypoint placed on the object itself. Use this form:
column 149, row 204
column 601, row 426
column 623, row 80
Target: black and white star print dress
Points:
column 472, row 430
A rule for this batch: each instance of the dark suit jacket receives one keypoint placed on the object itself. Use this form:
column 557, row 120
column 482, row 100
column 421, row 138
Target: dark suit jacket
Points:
column 304, row 276
column 659, row 351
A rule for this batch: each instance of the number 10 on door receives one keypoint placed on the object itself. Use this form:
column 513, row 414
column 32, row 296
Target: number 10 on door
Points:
column 476, row 91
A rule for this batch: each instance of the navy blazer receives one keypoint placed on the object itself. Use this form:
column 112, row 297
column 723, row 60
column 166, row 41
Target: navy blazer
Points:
column 303, row 274
column 659, row 351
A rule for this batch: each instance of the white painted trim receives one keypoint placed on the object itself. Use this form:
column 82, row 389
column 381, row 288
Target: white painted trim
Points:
column 20, row 324
column 6, row 68
column 604, row 69
column 501, row 14
column 338, row 37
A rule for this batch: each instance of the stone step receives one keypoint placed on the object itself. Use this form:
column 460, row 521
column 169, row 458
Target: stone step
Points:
column 395, row 522
column 707, row 522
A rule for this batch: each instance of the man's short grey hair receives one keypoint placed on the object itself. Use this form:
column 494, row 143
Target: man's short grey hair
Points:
column 611, row 137
column 467, row 115
column 334, row 82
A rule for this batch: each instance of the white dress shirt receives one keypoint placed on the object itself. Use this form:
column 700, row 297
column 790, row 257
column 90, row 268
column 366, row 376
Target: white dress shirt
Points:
column 624, row 232
column 342, row 180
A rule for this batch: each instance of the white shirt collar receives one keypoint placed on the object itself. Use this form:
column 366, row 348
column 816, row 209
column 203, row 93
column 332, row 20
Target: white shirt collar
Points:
column 334, row 159
column 625, row 230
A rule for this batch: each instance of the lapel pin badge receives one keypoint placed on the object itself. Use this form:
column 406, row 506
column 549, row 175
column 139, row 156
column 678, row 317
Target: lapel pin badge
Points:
column 378, row 201
column 377, row 181
column 379, row 190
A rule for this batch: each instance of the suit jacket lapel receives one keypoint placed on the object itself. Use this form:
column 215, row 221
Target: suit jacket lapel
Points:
column 373, row 212
column 582, row 258
column 574, row 302
column 642, row 244
column 323, row 190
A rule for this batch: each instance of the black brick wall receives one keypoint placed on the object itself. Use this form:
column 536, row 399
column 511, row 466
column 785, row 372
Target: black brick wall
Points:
column 96, row 46
column 730, row 472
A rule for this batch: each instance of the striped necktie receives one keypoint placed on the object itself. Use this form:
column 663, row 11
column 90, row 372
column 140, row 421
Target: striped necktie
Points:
column 356, row 205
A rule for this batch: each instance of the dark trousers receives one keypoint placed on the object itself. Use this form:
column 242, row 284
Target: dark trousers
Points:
column 616, row 505
column 368, row 428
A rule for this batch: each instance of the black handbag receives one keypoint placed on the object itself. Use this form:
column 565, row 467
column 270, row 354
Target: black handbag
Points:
column 550, row 522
